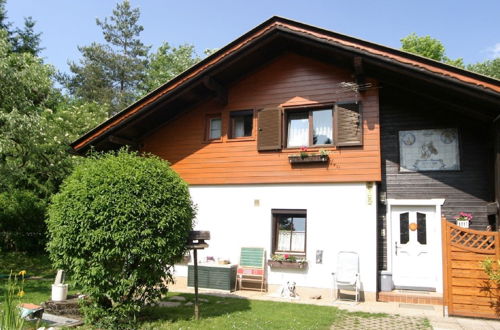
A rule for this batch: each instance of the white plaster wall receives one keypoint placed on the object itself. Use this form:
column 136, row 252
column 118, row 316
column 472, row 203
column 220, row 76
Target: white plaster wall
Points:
column 339, row 218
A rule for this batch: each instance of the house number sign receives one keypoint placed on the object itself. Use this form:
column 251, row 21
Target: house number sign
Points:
column 429, row 150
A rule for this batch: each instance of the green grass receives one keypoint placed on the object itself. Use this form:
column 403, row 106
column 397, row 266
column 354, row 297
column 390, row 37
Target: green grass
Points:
column 218, row 313
column 234, row 313
column 37, row 265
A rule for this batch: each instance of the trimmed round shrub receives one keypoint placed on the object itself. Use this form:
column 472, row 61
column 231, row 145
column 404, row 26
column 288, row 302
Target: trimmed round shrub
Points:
column 117, row 225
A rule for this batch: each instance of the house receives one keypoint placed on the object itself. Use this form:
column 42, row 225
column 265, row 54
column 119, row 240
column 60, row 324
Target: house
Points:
column 394, row 141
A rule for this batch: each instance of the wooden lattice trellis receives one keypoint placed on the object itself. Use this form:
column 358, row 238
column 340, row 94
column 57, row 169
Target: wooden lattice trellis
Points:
column 476, row 241
column 467, row 289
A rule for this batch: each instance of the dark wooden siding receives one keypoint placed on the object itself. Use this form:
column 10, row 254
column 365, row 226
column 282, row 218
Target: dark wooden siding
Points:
column 468, row 190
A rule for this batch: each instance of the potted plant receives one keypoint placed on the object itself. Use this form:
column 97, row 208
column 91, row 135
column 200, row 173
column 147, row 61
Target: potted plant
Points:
column 463, row 219
column 287, row 261
column 305, row 157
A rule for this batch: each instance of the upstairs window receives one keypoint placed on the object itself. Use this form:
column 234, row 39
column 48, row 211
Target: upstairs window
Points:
column 214, row 127
column 289, row 231
column 339, row 126
column 310, row 128
column 241, row 124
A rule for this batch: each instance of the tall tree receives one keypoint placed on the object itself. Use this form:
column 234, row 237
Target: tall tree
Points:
column 4, row 25
column 428, row 47
column 25, row 82
column 166, row 63
column 110, row 73
column 36, row 125
column 488, row 68
column 26, row 40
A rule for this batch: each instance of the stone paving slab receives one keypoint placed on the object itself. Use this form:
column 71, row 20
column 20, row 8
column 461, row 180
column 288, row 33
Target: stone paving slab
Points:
column 391, row 322
column 58, row 321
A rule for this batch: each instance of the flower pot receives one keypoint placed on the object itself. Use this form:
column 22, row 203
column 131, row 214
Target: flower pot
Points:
column 309, row 159
column 287, row 264
column 463, row 223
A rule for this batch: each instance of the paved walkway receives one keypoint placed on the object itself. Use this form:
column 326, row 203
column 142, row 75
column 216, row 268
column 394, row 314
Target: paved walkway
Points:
column 402, row 316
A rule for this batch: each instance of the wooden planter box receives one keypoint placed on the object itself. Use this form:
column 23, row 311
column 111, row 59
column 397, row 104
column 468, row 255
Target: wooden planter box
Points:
column 308, row 159
column 287, row 264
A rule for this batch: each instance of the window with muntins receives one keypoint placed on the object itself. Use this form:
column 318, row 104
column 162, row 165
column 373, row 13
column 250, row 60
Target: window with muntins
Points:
column 310, row 128
column 289, row 231
column 214, row 128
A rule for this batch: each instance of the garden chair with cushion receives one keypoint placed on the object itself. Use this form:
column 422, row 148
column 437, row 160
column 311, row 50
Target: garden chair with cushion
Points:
column 251, row 269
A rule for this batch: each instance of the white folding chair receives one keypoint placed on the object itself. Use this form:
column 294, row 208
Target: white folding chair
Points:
column 347, row 275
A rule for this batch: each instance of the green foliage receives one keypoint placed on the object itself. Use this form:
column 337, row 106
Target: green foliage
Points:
column 36, row 125
column 92, row 79
column 428, row 47
column 25, row 82
column 21, row 221
column 4, row 25
column 110, row 74
column 34, row 146
column 492, row 270
column 166, row 63
column 38, row 265
column 9, row 315
column 26, row 40
column 117, row 225
column 488, row 68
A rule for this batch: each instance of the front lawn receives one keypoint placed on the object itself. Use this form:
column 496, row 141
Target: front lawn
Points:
column 235, row 313
column 216, row 312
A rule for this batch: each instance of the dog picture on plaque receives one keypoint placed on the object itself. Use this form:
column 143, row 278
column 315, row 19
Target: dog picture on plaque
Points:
column 429, row 150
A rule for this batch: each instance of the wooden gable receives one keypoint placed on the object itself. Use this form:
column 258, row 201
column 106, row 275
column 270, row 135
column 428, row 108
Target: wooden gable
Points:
column 289, row 82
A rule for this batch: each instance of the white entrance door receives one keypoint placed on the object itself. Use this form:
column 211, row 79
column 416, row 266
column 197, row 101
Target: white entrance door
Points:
column 413, row 246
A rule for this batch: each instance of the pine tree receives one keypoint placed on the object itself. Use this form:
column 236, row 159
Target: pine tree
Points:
column 26, row 40
column 110, row 73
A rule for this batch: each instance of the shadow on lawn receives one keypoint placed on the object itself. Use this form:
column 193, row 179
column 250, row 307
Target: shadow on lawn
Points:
column 216, row 306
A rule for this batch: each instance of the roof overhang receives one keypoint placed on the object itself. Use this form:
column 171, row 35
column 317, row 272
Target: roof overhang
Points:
column 208, row 78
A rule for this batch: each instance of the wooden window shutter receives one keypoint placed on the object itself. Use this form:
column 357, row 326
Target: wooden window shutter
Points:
column 348, row 124
column 269, row 129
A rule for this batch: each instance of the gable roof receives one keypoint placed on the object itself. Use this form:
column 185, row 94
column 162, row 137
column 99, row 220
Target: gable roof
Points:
column 257, row 46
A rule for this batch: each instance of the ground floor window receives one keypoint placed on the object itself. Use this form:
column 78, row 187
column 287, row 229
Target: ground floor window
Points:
column 289, row 231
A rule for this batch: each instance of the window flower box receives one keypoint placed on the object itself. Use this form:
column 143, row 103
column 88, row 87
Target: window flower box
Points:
column 287, row 264
column 298, row 159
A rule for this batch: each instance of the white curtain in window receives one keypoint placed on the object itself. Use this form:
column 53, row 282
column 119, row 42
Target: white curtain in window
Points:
column 322, row 125
column 298, row 132
column 284, row 240
column 239, row 127
column 298, row 241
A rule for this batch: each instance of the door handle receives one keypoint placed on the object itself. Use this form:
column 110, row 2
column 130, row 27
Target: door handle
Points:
column 396, row 248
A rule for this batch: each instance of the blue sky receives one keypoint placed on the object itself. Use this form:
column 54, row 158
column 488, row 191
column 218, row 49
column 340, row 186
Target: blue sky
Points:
column 468, row 29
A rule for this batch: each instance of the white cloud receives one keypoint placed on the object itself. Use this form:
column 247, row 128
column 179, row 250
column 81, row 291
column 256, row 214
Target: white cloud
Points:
column 495, row 50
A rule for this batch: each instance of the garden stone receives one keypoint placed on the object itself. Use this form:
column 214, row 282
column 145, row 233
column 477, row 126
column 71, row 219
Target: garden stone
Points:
column 169, row 304
column 177, row 298
column 188, row 304
column 203, row 300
